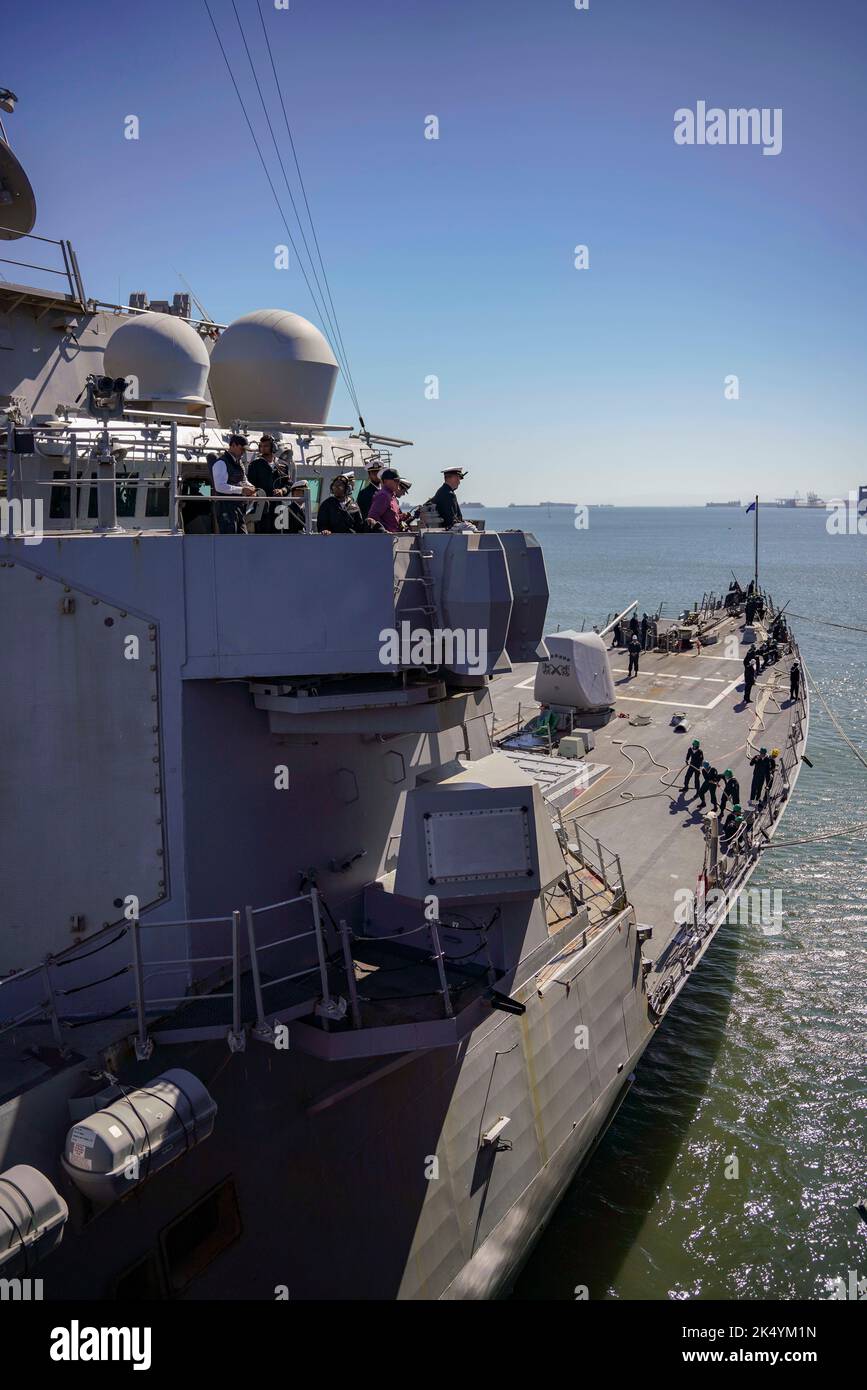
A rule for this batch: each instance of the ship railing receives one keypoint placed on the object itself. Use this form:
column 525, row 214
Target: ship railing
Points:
column 525, row 714
column 602, row 864
column 738, row 853
column 68, row 271
column 218, row 976
column 106, row 479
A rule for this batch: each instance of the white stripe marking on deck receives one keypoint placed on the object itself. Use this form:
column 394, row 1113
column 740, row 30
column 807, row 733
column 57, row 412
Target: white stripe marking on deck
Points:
column 723, row 693
column 670, row 675
column 680, row 704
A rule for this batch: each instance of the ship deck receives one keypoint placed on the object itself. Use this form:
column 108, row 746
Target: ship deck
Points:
column 634, row 804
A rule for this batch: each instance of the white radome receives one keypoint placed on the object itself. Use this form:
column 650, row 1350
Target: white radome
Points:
column 165, row 355
column 272, row 366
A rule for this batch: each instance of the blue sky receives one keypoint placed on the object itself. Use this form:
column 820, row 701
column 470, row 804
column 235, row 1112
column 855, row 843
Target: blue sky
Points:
column 454, row 257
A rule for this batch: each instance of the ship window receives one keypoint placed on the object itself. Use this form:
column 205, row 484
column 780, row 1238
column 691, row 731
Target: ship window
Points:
column 195, row 1240
column 58, row 506
column 127, row 493
column 142, row 1282
column 92, row 499
column 158, row 499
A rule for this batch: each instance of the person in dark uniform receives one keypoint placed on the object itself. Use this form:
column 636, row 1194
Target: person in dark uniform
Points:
column 617, row 636
column 731, row 825
column 694, row 764
column 749, row 678
column 633, row 625
column 759, row 764
column 770, row 773
column 229, row 476
column 339, row 515
column 634, row 650
column 445, row 500
column 731, row 791
column 268, row 475
column 370, row 489
column 710, row 782
column 645, row 624
column 289, row 519
column 735, row 595
column 795, row 680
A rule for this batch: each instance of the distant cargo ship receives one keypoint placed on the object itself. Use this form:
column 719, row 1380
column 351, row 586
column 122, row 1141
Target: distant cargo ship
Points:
column 811, row 500
column 736, row 503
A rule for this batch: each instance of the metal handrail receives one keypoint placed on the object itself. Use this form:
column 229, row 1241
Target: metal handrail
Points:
column 70, row 271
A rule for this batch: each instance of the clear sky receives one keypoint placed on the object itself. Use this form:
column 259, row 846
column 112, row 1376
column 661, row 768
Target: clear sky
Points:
column 454, row 257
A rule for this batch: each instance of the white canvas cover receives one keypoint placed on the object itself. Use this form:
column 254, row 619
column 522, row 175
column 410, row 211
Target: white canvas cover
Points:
column 576, row 673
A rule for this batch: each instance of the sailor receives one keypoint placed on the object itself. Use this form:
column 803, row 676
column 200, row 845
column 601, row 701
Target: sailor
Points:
column 749, row 677
column 289, row 515
column 617, row 636
column 735, row 595
column 731, row 825
column 229, row 475
column 794, row 680
column 731, row 791
column 711, row 781
column 384, row 508
column 634, row 650
column 268, row 475
column 760, row 765
column 371, row 487
column 770, row 773
column 750, row 611
column 633, row 625
column 445, row 499
column 339, row 515
column 645, row 624
column 694, row 764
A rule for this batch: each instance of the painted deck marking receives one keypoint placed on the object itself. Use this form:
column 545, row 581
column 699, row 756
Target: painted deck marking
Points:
column 680, row 704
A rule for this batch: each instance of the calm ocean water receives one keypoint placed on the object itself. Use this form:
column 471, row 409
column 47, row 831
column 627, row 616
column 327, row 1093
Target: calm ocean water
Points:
column 763, row 1056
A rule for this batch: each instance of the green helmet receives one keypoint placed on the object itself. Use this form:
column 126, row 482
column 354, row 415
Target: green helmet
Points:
column 695, row 743
column 728, row 773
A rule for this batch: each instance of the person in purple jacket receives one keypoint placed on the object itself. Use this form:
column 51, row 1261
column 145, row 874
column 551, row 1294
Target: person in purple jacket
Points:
column 384, row 507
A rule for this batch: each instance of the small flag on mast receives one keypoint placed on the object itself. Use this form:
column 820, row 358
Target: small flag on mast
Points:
column 751, row 507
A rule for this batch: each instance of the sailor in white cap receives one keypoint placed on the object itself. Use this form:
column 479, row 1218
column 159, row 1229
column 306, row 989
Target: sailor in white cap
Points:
column 445, row 498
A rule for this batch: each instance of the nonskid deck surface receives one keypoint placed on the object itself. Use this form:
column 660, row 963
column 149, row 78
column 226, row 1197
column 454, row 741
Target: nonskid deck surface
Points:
column 635, row 807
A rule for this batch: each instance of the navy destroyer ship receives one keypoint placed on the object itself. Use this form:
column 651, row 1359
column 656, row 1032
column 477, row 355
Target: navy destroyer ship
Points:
column 323, row 966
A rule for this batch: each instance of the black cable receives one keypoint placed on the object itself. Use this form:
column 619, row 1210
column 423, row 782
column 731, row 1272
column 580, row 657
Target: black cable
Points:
column 304, row 192
column 264, row 165
column 73, row 960
column 344, row 365
column 99, row 1018
column 77, row 989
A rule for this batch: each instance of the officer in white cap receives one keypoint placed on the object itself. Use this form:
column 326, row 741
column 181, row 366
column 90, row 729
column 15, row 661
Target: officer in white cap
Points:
column 445, row 498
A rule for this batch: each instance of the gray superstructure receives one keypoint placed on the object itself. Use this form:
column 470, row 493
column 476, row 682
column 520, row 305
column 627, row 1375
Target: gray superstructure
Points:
column 306, row 984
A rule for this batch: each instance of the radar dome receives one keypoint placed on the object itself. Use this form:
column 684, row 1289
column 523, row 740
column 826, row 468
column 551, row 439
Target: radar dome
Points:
column 272, row 366
column 166, row 355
